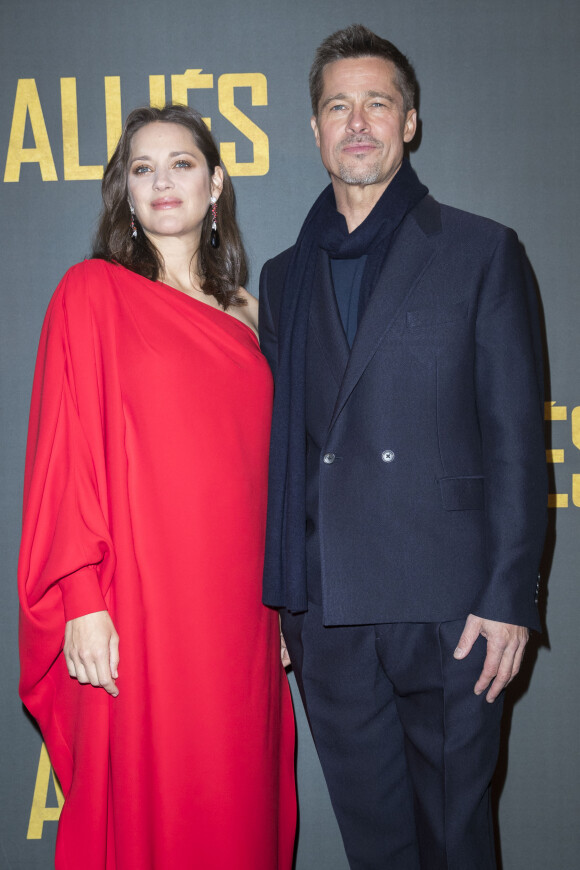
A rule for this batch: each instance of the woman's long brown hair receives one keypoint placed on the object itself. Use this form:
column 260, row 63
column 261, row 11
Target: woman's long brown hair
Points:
column 222, row 270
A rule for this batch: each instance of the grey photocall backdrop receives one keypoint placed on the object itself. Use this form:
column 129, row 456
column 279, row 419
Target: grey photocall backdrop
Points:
column 499, row 136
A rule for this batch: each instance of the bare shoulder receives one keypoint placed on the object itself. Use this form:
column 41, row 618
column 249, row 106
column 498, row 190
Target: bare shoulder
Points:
column 247, row 313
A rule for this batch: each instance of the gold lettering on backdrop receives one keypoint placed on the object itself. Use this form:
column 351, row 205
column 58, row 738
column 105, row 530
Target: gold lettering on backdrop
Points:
column 576, row 489
column 113, row 112
column 555, row 412
column 559, row 413
column 157, row 91
column 27, row 106
column 191, row 78
column 259, row 87
column 73, row 171
column 558, row 500
column 27, row 103
column 40, row 812
column 576, row 427
column 575, row 417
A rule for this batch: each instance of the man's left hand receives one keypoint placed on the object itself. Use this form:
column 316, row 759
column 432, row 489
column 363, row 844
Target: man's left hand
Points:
column 505, row 650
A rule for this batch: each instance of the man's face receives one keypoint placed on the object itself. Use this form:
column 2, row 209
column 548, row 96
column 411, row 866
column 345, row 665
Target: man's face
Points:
column 361, row 126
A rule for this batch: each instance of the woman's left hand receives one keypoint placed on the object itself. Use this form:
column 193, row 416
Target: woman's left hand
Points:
column 91, row 650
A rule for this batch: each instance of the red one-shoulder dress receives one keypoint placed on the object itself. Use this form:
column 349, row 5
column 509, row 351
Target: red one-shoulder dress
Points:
column 145, row 494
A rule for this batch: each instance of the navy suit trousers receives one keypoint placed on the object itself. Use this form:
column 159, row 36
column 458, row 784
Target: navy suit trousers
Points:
column 407, row 749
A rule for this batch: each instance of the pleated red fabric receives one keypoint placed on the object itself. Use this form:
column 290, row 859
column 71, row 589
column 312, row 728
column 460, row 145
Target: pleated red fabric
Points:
column 145, row 494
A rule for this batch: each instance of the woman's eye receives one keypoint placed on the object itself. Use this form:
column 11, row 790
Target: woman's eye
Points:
column 183, row 164
column 141, row 169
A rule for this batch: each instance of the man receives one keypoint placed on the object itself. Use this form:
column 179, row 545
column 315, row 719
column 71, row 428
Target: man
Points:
column 407, row 475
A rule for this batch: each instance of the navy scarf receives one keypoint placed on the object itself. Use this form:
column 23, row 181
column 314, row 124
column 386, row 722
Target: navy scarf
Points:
column 324, row 227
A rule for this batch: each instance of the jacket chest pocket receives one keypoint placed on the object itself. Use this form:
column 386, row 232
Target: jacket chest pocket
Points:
column 434, row 318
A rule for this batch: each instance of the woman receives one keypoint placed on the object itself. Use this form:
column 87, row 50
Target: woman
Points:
column 166, row 713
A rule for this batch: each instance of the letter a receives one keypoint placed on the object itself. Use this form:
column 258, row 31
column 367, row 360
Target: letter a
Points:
column 40, row 812
column 28, row 102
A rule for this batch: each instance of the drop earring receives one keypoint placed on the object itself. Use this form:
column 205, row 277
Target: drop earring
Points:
column 133, row 225
column 214, row 239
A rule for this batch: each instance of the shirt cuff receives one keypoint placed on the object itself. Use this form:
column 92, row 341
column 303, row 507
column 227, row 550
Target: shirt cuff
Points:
column 81, row 593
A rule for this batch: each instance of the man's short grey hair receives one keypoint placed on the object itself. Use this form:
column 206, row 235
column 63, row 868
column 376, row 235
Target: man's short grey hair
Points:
column 358, row 41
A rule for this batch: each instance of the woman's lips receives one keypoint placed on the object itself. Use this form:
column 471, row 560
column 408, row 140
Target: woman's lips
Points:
column 165, row 203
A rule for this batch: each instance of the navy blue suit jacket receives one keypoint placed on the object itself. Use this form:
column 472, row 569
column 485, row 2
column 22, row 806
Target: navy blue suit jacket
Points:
column 432, row 475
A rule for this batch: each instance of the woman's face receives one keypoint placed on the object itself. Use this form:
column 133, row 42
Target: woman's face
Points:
column 168, row 182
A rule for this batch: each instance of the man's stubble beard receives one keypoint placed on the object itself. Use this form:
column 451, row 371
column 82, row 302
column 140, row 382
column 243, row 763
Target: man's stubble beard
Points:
column 363, row 175
column 352, row 174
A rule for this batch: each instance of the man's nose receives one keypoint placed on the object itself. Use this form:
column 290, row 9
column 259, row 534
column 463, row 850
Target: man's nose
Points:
column 358, row 121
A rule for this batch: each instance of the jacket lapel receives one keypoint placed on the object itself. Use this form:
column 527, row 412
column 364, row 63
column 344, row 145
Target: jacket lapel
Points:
column 411, row 253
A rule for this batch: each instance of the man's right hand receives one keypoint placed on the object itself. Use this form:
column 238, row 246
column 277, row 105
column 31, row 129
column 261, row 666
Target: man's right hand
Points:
column 91, row 650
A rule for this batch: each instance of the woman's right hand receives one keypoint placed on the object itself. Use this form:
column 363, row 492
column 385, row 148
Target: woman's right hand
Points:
column 91, row 650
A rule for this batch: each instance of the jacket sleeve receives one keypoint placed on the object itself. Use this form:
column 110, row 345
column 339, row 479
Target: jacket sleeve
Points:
column 66, row 557
column 267, row 327
column 509, row 392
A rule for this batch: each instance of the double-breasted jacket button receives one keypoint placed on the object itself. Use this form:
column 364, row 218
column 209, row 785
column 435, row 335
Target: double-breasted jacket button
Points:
column 387, row 455
column 329, row 458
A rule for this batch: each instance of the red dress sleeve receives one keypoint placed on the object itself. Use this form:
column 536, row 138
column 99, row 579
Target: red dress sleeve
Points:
column 66, row 557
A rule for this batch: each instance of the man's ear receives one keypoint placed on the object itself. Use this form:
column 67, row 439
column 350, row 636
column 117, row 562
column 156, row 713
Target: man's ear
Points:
column 314, row 126
column 410, row 127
